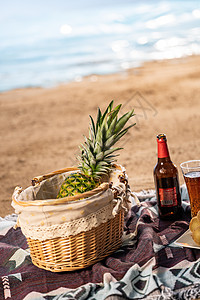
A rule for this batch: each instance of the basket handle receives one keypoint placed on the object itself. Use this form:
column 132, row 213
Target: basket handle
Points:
column 40, row 178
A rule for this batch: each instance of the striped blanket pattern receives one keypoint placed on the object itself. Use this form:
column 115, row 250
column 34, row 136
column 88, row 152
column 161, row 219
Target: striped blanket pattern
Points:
column 149, row 265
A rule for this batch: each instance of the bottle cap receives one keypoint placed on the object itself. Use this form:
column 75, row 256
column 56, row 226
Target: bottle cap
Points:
column 161, row 137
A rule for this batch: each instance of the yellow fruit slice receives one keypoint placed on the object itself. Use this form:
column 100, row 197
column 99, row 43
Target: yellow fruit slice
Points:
column 196, row 235
column 194, row 223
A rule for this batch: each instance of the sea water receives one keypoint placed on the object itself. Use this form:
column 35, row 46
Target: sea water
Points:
column 48, row 42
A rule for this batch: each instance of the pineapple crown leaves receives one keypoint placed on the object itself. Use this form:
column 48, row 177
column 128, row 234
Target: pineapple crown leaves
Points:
column 97, row 153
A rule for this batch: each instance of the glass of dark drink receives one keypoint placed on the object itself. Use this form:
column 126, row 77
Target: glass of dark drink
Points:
column 191, row 173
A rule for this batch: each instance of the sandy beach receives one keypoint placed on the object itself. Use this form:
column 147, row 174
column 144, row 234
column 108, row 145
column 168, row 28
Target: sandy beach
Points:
column 41, row 129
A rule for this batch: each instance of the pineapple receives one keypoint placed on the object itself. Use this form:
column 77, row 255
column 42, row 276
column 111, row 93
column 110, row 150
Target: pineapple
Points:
column 97, row 153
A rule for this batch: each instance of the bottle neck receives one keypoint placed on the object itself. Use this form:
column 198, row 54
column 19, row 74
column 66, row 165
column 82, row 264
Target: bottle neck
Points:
column 163, row 152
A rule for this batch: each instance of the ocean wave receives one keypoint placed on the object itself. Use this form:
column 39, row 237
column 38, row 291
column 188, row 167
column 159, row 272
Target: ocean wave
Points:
column 39, row 49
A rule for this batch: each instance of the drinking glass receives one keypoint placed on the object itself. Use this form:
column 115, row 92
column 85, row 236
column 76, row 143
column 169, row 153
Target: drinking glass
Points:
column 191, row 173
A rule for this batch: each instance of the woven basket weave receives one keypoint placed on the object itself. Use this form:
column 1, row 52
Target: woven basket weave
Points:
column 79, row 251
column 75, row 251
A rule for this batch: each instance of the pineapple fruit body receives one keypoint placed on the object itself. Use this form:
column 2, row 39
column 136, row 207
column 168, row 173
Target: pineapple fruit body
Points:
column 77, row 183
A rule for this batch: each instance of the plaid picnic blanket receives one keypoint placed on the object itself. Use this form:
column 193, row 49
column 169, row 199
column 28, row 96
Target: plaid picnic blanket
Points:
column 149, row 265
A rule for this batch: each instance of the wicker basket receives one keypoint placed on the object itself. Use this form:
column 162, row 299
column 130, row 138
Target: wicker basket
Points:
column 75, row 251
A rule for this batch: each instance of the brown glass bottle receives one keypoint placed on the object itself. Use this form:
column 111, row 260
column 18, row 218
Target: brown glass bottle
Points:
column 166, row 183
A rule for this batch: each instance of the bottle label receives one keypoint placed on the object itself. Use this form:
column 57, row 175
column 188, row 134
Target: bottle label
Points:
column 168, row 197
